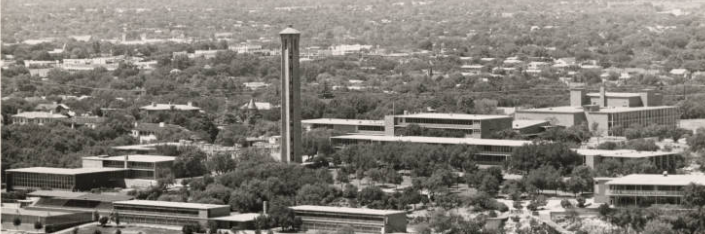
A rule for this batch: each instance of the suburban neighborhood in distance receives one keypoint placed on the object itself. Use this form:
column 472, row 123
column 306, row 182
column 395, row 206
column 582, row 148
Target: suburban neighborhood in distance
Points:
column 345, row 117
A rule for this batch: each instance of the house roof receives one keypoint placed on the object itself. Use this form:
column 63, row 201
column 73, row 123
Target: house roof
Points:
column 290, row 30
column 557, row 109
column 64, row 171
column 155, row 127
column 656, row 179
column 134, row 158
column 170, row 204
column 452, row 116
column 435, row 140
column 347, row 210
column 39, row 115
column 343, row 121
column 157, row 106
column 81, row 195
column 51, row 106
column 56, row 193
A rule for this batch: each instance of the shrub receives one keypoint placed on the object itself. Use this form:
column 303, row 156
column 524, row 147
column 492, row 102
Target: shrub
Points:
column 566, row 204
column 501, row 207
column 581, row 202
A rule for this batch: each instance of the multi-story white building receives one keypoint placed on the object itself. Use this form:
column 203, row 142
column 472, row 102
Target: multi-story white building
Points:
column 644, row 189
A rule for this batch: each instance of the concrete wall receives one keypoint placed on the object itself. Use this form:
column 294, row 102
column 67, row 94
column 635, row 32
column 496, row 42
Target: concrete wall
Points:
column 389, row 125
column 600, row 190
column 92, row 163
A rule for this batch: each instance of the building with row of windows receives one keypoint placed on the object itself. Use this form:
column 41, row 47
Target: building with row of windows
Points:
column 97, row 171
column 609, row 112
column 140, row 166
column 644, row 189
column 471, row 126
column 51, row 221
column 491, row 152
column 663, row 160
column 168, row 213
column 69, row 179
column 328, row 218
column 349, row 126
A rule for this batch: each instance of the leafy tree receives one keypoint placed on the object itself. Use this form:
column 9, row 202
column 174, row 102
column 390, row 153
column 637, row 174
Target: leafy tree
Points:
column 221, row 163
column 103, row 220
column 580, row 180
column 566, row 204
column 658, row 227
column 38, row 225
column 370, row 194
column 16, row 222
column 694, row 195
column 533, row 156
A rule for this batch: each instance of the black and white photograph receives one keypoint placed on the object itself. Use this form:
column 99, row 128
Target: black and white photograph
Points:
column 352, row 116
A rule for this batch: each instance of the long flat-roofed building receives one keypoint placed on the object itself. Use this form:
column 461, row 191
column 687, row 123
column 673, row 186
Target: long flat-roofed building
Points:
column 473, row 126
column 491, row 151
column 331, row 218
column 69, row 179
column 349, row 126
column 52, row 221
column 610, row 112
column 139, row 165
column 645, row 189
column 661, row 159
column 168, row 213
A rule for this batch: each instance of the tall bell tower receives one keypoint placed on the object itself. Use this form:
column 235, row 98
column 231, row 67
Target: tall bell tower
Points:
column 290, row 97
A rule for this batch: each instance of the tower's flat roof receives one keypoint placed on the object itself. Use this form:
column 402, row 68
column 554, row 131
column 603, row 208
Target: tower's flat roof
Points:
column 290, row 30
column 347, row 210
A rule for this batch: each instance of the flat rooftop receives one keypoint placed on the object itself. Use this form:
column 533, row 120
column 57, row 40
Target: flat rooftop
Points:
column 346, row 210
column 40, row 114
column 617, row 95
column 35, row 213
column 134, row 158
column 436, row 140
column 630, row 109
column 170, row 204
column 344, row 121
column 235, row 217
column 557, row 109
column 81, row 195
column 457, row 116
column 626, row 153
column 657, row 179
column 64, row 171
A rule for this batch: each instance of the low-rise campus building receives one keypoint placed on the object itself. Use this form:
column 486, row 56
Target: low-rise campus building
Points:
column 140, row 166
column 168, row 213
column 663, row 160
column 644, row 189
column 491, row 152
column 68, row 179
column 609, row 113
column 51, row 221
column 348, row 126
column 473, row 126
column 328, row 218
